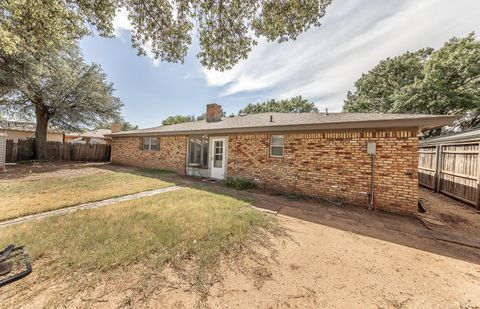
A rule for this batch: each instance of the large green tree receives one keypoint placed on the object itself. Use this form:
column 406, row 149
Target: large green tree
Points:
column 443, row 81
column 227, row 29
column 60, row 90
column 34, row 35
column 293, row 105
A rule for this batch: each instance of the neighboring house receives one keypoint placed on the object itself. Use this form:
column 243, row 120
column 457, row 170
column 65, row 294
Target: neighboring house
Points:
column 16, row 130
column 314, row 154
column 98, row 136
column 89, row 137
column 470, row 136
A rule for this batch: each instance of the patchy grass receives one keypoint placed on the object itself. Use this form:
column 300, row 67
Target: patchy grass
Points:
column 24, row 197
column 185, row 226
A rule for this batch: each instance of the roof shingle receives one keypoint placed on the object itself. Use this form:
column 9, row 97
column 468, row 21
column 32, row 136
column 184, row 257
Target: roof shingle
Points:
column 297, row 121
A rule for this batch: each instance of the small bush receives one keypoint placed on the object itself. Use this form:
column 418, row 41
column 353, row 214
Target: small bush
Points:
column 239, row 183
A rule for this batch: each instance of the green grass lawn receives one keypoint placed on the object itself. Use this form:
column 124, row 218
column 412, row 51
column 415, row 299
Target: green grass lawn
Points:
column 185, row 225
column 24, row 197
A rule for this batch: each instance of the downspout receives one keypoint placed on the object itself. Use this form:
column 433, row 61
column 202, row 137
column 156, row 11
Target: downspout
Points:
column 371, row 204
column 371, row 150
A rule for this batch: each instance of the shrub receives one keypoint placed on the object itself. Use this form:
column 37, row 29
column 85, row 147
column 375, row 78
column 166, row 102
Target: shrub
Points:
column 239, row 183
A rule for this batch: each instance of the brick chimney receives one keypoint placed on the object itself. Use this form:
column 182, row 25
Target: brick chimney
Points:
column 116, row 127
column 214, row 112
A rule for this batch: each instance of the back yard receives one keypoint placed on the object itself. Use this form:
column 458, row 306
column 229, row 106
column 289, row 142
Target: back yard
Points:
column 40, row 192
column 204, row 245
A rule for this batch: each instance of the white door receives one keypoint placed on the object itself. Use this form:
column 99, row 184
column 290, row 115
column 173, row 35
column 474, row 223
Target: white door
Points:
column 218, row 159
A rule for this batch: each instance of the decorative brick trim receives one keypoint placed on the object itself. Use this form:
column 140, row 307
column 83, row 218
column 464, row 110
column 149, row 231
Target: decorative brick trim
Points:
column 334, row 165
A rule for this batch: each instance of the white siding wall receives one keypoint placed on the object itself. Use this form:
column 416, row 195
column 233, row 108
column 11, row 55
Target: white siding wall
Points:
column 3, row 149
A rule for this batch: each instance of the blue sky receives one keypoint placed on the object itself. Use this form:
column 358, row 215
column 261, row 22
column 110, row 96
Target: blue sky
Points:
column 322, row 64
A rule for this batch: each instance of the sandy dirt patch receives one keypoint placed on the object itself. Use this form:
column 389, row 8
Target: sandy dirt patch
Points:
column 457, row 217
column 325, row 267
column 315, row 266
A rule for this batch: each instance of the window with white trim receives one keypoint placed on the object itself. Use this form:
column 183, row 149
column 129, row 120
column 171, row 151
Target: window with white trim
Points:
column 277, row 145
column 150, row 143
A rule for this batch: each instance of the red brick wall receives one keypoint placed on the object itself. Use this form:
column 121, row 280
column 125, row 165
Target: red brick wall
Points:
column 171, row 156
column 334, row 165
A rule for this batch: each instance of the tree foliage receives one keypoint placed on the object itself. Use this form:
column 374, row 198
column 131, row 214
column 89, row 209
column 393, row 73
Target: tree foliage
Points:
column 294, row 105
column 39, row 27
column 443, row 81
column 61, row 90
column 227, row 29
column 177, row 119
column 126, row 126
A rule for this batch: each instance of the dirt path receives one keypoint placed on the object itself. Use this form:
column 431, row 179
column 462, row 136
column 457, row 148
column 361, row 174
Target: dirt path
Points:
column 316, row 266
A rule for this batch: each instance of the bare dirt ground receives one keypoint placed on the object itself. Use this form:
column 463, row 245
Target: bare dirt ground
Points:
column 316, row 266
column 334, row 256
column 457, row 217
column 402, row 230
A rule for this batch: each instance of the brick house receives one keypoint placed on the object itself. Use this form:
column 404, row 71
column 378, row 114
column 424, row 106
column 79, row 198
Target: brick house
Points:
column 315, row 154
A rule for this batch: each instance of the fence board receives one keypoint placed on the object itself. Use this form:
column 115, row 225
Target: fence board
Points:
column 9, row 153
column 427, row 161
column 57, row 151
column 453, row 170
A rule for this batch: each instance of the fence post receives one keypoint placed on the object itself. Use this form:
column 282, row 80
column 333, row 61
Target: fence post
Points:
column 438, row 168
column 478, row 178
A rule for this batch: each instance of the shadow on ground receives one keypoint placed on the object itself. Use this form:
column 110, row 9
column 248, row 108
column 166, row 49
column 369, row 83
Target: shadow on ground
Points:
column 393, row 228
column 401, row 230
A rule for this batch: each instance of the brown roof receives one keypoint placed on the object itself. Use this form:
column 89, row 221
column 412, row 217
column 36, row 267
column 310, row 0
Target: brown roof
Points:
column 98, row 133
column 296, row 121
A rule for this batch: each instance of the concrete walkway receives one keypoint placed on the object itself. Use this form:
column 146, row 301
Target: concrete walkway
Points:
column 71, row 209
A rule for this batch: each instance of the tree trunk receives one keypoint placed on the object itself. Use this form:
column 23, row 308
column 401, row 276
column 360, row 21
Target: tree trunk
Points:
column 41, row 130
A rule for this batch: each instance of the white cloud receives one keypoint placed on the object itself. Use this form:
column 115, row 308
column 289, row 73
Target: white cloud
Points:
column 121, row 23
column 324, row 63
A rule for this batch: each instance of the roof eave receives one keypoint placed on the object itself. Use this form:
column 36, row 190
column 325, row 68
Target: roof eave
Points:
column 422, row 123
column 474, row 140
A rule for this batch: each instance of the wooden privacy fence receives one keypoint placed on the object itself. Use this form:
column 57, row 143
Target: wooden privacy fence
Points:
column 452, row 169
column 58, row 151
column 24, row 150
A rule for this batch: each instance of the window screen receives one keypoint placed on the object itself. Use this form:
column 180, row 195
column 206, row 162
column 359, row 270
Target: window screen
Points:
column 150, row 143
column 277, row 145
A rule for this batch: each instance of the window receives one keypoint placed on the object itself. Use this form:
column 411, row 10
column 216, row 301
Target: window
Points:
column 276, row 145
column 198, row 151
column 150, row 143
column 218, row 154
